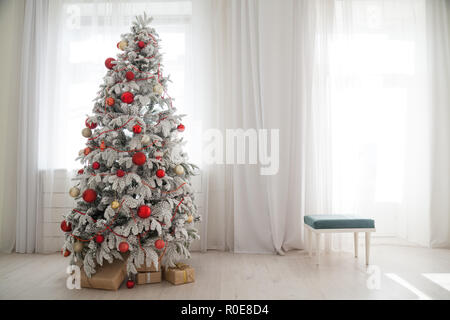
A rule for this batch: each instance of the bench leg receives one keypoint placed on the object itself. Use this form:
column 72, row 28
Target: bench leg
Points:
column 367, row 247
column 305, row 230
column 310, row 246
column 355, row 236
column 318, row 247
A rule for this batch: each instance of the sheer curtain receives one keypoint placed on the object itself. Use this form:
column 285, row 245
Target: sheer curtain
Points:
column 358, row 91
column 384, row 97
column 256, row 68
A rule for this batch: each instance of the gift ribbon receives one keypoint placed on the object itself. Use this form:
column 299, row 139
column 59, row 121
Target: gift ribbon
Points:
column 182, row 266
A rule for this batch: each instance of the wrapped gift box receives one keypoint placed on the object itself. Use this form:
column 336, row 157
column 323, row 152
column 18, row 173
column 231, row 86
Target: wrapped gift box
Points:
column 181, row 274
column 108, row 277
column 145, row 268
column 148, row 277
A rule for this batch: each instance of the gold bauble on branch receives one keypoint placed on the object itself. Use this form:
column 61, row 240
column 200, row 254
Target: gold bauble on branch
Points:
column 158, row 89
column 77, row 247
column 115, row 204
column 179, row 170
column 74, row 192
column 189, row 219
column 86, row 132
column 122, row 45
column 81, row 152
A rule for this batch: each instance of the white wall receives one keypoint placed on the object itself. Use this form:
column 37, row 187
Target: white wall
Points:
column 11, row 27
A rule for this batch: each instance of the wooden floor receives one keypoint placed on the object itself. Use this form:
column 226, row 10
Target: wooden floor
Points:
column 221, row 275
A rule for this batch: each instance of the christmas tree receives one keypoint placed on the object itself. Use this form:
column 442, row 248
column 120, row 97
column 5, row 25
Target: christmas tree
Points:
column 134, row 194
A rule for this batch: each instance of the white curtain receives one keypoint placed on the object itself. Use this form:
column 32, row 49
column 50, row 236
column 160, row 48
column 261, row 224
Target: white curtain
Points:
column 438, row 43
column 11, row 30
column 358, row 91
column 31, row 90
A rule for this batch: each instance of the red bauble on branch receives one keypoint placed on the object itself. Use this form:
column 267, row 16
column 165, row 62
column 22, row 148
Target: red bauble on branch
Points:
column 87, row 150
column 129, row 75
column 130, row 284
column 90, row 125
column 127, row 97
column 180, row 127
column 66, row 226
column 66, row 253
column 120, row 173
column 141, row 44
column 144, row 211
column 99, row 238
column 137, row 129
column 109, row 64
column 139, row 158
column 110, row 101
column 89, row 195
column 123, row 247
column 159, row 244
column 96, row 165
column 160, row 173
column 81, row 171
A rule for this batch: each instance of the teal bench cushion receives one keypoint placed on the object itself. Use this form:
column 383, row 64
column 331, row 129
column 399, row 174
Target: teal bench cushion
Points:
column 338, row 222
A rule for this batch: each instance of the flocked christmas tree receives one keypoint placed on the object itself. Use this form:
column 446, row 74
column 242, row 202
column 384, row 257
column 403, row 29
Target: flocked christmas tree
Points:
column 134, row 193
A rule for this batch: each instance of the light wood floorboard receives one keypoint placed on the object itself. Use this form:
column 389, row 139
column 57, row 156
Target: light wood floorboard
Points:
column 223, row 275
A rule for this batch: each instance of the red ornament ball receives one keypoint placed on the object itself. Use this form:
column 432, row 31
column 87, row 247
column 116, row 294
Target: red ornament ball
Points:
column 96, row 165
column 159, row 244
column 141, row 44
column 81, row 171
column 180, row 127
column 110, row 101
column 87, row 151
column 123, row 247
column 66, row 226
column 99, row 238
column 144, row 211
column 109, row 64
column 91, row 125
column 127, row 97
column 160, row 173
column 130, row 284
column 137, row 128
column 120, row 173
column 129, row 75
column 139, row 158
column 89, row 195
column 66, row 253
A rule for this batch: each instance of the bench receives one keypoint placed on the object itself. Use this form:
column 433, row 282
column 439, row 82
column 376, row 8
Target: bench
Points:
column 319, row 224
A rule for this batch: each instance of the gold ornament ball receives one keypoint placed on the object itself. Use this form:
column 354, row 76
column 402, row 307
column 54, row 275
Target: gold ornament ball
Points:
column 179, row 170
column 81, row 152
column 86, row 132
column 145, row 139
column 189, row 219
column 115, row 204
column 158, row 89
column 74, row 192
column 77, row 247
column 123, row 44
